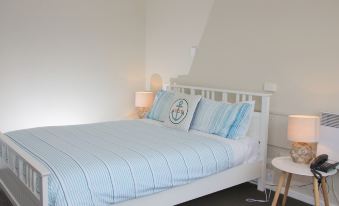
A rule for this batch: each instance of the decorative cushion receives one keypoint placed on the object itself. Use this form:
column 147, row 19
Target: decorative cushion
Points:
column 219, row 117
column 181, row 111
column 160, row 106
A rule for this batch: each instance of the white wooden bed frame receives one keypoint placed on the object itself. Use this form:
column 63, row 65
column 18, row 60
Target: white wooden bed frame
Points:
column 21, row 186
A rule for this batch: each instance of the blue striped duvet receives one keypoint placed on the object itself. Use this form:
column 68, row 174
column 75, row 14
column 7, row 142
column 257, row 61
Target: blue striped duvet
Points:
column 106, row 163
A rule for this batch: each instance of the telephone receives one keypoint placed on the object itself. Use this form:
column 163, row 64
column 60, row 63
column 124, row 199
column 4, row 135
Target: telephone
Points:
column 320, row 163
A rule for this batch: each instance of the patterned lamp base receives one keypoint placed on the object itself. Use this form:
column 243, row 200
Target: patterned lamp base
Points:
column 301, row 152
column 142, row 111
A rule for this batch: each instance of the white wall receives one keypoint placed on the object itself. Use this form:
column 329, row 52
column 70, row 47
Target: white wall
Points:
column 79, row 61
column 294, row 44
column 245, row 43
column 67, row 62
column 172, row 28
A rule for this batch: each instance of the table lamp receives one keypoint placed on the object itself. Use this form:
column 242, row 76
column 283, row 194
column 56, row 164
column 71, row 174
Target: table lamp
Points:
column 303, row 130
column 143, row 101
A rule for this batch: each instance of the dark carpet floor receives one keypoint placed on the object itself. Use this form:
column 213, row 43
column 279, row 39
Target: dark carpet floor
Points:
column 235, row 196
column 3, row 199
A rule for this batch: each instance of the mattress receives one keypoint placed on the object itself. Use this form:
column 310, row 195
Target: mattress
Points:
column 105, row 163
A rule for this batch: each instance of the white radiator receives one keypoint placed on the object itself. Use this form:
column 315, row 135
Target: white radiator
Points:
column 329, row 136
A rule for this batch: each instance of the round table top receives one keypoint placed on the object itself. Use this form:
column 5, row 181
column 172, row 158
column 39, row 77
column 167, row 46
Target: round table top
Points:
column 286, row 164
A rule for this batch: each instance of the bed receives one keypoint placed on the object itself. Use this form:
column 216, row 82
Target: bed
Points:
column 136, row 162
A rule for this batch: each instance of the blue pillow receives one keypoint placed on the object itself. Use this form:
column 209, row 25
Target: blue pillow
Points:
column 160, row 106
column 242, row 122
column 219, row 118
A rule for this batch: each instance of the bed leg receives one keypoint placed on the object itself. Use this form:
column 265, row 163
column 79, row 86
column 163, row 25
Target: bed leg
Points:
column 261, row 184
column 262, row 179
column 265, row 110
column 44, row 189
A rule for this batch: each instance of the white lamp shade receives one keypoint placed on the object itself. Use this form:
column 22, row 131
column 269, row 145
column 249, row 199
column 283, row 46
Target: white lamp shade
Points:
column 303, row 128
column 144, row 99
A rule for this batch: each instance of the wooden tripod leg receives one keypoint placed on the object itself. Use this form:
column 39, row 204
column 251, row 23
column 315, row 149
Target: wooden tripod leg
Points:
column 316, row 192
column 287, row 186
column 279, row 186
column 325, row 192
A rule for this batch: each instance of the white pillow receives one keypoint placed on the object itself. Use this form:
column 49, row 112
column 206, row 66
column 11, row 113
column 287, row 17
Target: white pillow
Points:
column 181, row 111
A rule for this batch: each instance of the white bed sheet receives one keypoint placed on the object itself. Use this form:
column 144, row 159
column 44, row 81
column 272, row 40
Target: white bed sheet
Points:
column 247, row 149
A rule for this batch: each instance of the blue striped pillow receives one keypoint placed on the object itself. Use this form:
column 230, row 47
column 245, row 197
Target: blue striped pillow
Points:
column 160, row 106
column 242, row 122
column 218, row 117
column 214, row 117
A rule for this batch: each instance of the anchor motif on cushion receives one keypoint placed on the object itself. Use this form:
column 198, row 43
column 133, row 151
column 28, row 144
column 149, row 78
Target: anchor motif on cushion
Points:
column 178, row 111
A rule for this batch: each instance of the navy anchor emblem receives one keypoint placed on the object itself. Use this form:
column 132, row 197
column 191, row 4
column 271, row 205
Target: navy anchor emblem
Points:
column 178, row 111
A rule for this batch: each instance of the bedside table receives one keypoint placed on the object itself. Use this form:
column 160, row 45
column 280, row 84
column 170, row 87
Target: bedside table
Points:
column 288, row 168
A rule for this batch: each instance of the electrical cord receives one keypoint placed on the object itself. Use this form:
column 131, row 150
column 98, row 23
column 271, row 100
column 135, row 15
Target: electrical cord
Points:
column 299, row 186
column 267, row 197
column 334, row 189
column 317, row 175
column 268, row 194
column 328, row 185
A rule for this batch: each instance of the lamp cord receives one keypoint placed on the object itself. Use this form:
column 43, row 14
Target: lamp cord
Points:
column 267, row 197
column 334, row 188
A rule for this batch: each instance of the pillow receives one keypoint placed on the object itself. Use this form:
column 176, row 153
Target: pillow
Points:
column 242, row 122
column 181, row 111
column 160, row 106
column 218, row 117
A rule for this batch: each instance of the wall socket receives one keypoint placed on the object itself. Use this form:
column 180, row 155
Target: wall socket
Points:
column 270, row 87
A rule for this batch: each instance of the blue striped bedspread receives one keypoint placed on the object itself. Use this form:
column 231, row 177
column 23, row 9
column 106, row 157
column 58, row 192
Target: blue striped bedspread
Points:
column 105, row 163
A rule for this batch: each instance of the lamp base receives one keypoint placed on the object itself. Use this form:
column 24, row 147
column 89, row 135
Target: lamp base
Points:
column 141, row 111
column 301, row 152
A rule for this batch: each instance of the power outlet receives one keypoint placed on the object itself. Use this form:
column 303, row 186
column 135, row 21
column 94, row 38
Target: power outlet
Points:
column 270, row 87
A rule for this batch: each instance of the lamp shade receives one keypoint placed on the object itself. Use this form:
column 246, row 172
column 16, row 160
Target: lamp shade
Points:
column 144, row 99
column 303, row 128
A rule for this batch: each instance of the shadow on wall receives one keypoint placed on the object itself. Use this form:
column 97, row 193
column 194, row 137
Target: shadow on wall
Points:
column 156, row 83
column 247, row 43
